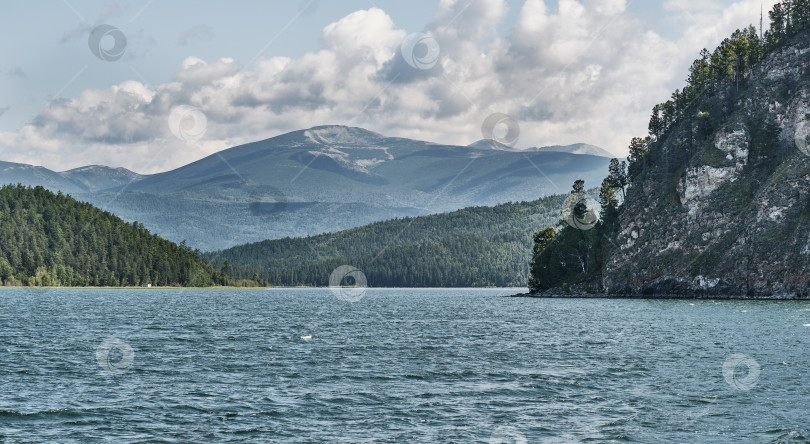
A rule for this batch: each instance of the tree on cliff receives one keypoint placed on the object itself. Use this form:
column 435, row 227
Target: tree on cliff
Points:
column 568, row 254
column 617, row 175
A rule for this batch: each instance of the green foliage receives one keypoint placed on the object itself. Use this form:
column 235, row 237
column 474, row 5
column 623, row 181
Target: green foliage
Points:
column 6, row 270
column 570, row 258
column 765, row 150
column 478, row 246
column 608, row 201
column 51, row 239
column 692, row 114
column 713, row 156
column 573, row 254
column 618, row 178
column 639, row 150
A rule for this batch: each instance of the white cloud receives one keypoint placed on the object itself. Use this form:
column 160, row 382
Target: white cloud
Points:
column 588, row 71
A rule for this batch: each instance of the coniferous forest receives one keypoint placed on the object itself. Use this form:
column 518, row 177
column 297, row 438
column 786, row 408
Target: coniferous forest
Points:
column 472, row 247
column 51, row 239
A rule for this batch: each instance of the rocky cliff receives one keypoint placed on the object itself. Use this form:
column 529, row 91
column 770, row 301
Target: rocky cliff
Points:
column 723, row 206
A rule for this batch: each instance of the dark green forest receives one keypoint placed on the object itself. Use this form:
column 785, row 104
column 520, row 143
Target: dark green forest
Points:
column 566, row 254
column 49, row 239
column 478, row 246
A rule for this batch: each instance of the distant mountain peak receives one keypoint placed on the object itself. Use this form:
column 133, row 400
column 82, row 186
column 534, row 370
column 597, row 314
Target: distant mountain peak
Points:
column 102, row 168
column 341, row 135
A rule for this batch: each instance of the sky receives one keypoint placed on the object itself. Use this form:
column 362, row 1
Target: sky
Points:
column 151, row 85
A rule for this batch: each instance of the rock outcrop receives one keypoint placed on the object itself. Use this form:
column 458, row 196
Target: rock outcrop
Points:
column 730, row 216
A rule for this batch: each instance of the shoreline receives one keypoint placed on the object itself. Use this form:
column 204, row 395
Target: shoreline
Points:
column 548, row 294
column 692, row 297
column 258, row 288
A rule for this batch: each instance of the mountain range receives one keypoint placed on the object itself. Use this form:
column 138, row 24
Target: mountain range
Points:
column 322, row 179
column 88, row 179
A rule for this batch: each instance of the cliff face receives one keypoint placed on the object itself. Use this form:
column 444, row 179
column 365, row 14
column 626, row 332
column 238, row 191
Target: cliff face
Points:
column 729, row 214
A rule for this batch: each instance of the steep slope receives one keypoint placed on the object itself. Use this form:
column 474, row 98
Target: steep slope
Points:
column 53, row 240
column 721, row 202
column 480, row 246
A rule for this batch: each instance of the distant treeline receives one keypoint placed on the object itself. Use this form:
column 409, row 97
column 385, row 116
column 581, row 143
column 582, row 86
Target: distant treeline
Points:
column 478, row 246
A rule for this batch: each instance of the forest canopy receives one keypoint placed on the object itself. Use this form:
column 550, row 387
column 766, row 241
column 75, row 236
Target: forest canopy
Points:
column 49, row 239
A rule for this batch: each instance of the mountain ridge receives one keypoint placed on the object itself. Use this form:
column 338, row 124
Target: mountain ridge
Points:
column 326, row 178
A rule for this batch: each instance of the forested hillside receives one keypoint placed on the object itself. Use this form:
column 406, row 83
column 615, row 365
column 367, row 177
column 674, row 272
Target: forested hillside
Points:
column 717, row 196
column 53, row 240
column 478, row 246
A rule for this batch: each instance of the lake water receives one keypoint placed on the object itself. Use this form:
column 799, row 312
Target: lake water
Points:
column 398, row 366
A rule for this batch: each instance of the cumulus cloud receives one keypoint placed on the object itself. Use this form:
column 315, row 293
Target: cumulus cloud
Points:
column 585, row 71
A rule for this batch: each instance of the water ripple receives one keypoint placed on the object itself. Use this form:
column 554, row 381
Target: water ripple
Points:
column 398, row 366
